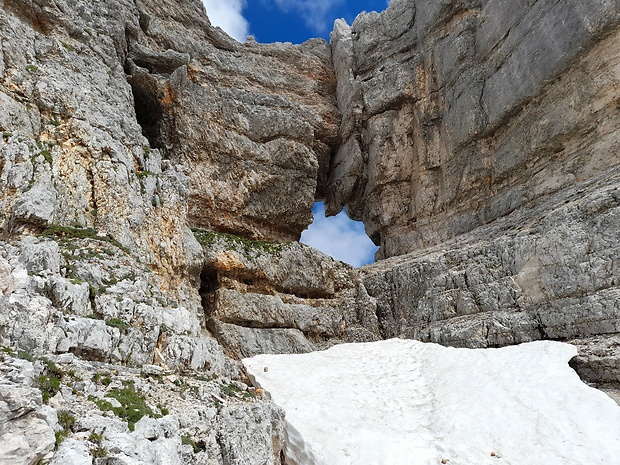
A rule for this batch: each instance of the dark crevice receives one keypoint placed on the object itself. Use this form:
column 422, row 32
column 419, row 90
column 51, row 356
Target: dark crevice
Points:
column 208, row 286
column 149, row 108
column 144, row 22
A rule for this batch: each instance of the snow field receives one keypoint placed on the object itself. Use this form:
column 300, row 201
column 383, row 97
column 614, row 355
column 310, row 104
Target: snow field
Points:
column 403, row 402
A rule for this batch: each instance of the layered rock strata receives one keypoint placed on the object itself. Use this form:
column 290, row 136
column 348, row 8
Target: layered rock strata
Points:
column 105, row 159
column 252, row 126
column 457, row 113
column 281, row 297
column 477, row 140
column 482, row 138
column 545, row 272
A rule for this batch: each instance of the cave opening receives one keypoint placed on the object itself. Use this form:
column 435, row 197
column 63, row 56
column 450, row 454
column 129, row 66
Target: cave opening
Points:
column 148, row 107
column 152, row 98
column 208, row 285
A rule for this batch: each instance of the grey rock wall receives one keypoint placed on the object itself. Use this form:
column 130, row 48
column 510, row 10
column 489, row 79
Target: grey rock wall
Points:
column 262, row 297
column 252, row 126
column 477, row 140
column 550, row 272
column 123, row 124
column 480, row 145
column 72, row 151
column 545, row 272
column 191, row 419
column 456, row 113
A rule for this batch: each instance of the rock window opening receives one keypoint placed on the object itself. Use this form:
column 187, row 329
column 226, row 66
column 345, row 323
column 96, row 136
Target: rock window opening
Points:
column 339, row 237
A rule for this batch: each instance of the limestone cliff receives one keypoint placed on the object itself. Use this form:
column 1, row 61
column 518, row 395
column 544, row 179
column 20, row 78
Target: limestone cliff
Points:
column 152, row 171
column 456, row 113
column 482, row 138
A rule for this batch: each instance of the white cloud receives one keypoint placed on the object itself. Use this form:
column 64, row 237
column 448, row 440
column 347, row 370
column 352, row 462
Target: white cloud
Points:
column 227, row 14
column 339, row 237
column 314, row 12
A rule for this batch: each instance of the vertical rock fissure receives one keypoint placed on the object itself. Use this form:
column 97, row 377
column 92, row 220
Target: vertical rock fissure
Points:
column 208, row 286
column 149, row 110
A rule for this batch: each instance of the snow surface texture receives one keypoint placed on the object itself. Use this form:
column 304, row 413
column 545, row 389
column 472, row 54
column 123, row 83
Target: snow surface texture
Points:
column 403, row 402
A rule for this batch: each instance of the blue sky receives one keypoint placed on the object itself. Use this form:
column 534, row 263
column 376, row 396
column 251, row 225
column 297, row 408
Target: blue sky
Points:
column 285, row 20
column 339, row 237
column 297, row 21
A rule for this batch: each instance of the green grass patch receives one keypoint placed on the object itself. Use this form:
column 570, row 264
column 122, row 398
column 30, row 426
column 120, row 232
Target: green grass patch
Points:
column 92, row 292
column 49, row 381
column 22, row 354
column 7, row 350
column 61, row 436
column 66, row 420
column 133, row 405
column 163, row 409
column 197, row 446
column 32, row 68
column 95, row 438
column 48, row 156
column 68, row 47
column 232, row 390
column 102, row 404
column 67, row 232
column 98, row 452
column 210, row 238
column 118, row 323
column 144, row 174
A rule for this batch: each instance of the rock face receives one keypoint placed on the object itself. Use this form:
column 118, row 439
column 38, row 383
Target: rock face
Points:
column 457, row 113
column 280, row 298
column 176, row 419
column 545, row 272
column 252, row 126
column 27, row 427
column 152, row 171
column 98, row 190
column 483, row 137
column 72, row 151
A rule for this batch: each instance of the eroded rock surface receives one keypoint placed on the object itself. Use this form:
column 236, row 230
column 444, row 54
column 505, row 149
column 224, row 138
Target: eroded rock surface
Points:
column 122, row 124
column 457, row 113
column 252, row 126
column 477, row 140
column 26, row 425
column 545, row 272
column 102, row 413
column 481, row 137
column 262, row 297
